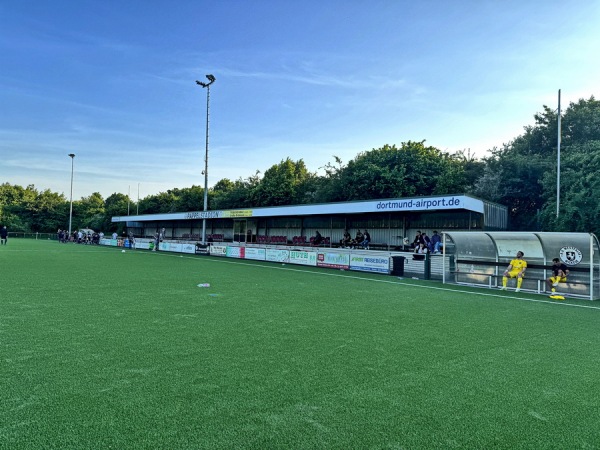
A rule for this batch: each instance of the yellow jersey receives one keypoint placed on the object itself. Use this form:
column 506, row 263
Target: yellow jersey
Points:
column 518, row 264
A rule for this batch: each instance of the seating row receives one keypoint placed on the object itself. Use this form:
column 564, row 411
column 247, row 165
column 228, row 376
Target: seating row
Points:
column 262, row 239
column 209, row 237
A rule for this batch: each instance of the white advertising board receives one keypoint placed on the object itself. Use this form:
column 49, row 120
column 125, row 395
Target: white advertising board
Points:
column 369, row 263
column 255, row 253
column 235, row 252
column 188, row 248
column 277, row 255
column 302, row 257
column 218, row 250
column 334, row 260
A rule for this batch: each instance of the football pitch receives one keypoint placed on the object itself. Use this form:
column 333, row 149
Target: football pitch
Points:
column 103, row 349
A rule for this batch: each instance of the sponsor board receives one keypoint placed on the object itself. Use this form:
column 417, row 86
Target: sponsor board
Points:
column 142, row 245
column 170, row 247
column 334, row 260
column 303, row 258
column 218, row 250
column 255, row 253
column 235, row 252
column 188, row 248
column 203, row 250
column 369, row 263
column 277, row 255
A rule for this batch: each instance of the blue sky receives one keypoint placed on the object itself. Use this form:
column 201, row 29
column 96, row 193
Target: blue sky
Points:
column 114, row 83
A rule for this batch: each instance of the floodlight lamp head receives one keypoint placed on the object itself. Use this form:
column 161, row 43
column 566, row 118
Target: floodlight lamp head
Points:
column 201, row 83
column 211, row 78
column 72, row 155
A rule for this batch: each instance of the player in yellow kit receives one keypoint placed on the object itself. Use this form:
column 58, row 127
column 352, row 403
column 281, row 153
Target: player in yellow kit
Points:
column 516, row 269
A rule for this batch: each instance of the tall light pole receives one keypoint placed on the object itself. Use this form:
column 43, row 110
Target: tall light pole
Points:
column 211, row 80
column 72, row 155
column 558, row 161
column 137, row 212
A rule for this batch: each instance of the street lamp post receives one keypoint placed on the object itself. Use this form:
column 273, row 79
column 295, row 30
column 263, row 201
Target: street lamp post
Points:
column 72, row 155
column 211, row 80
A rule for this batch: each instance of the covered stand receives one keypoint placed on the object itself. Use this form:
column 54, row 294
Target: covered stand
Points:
column 480, row 258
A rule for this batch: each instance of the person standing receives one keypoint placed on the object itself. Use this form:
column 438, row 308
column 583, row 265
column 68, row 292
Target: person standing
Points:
column 3, row 235
column 559, row 274
column 516, row 269
column 131, row 241
column 156, row 241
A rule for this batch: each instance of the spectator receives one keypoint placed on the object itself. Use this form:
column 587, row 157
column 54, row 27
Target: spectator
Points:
column 346, row 240
column 366, row 239
column 436, row 242
column 359, row 238
column 318, row 239
column 417, row 241
column 425, row 240
column 421, row 248
column 131, row 240
column 3, row 235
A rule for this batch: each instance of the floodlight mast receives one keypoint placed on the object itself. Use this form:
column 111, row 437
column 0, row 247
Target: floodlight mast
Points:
column 211, row 80
column 72, row 156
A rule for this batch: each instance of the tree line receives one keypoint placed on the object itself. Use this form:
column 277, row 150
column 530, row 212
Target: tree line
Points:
column 522, row 175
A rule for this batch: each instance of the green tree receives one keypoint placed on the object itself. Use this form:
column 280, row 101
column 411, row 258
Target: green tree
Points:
column 522, row 175
column 387, row 172
column 286, row 183
column 114, row 205
column 89, row 212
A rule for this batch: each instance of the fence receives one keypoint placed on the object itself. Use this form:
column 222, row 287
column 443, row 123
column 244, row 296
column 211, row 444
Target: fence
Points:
column 44, row 236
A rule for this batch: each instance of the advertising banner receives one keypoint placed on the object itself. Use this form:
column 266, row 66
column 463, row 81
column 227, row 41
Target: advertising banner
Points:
column 235, row 252
column 255, row 253
column 334, row 260
column 369, row 263
column 304, row 258
column 188, row 248
column 170, row 247
column 218, row 250
column 277, row 255
column 142, row 245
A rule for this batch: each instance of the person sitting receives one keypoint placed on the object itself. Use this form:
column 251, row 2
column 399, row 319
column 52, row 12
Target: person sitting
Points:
column 425, row 239
column 366, row 239
column 559, row 274
column 358, row 239
column 346, row 240
column 436, row 242
column 417, row 241
column 318, row 239
column 421, row 248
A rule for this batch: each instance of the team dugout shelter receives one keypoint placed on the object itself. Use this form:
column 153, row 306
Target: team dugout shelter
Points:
column 392, row 223
column 480, row 259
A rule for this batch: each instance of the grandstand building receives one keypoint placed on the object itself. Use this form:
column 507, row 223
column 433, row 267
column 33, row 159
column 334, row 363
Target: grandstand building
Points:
column 391, row 222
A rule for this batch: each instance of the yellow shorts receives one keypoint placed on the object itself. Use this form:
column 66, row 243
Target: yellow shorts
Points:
column 514, row 273
column 562, row 280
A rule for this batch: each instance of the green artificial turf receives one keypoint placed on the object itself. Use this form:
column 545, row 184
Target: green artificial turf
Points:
column 102, row 349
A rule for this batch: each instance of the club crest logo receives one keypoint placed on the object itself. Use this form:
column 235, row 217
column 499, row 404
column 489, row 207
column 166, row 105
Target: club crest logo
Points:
column 571, row 256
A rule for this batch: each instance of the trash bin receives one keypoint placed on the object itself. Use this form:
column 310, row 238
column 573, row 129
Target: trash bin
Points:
column 398, row 266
